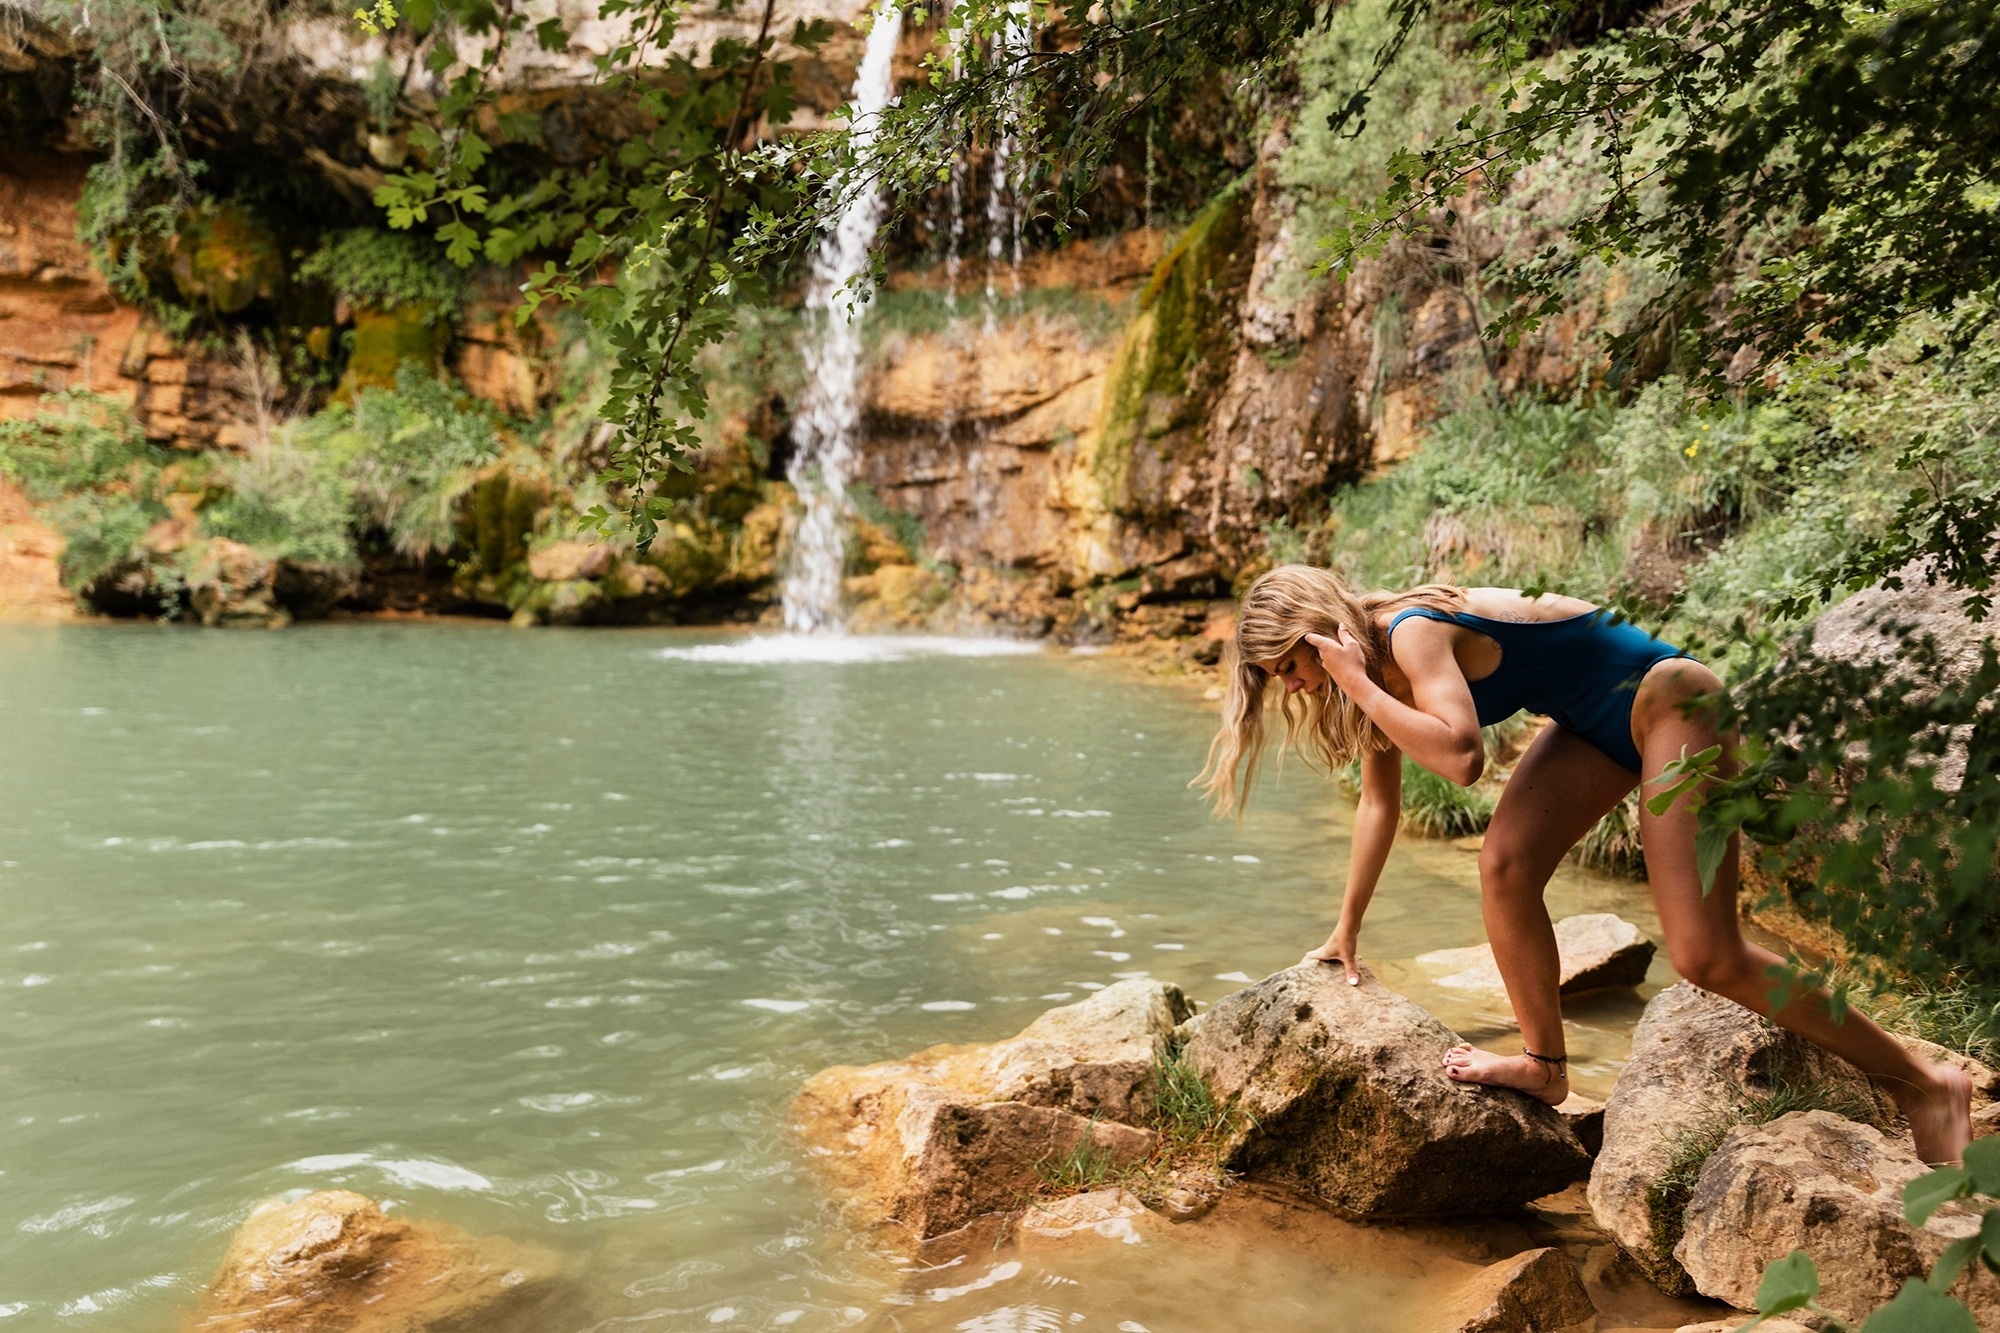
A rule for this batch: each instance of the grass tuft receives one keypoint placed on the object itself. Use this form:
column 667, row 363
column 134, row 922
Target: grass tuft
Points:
column 1081, row 1168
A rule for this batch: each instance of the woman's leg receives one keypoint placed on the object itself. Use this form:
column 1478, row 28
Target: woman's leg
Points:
column 1561, row 787
column 1708, row 949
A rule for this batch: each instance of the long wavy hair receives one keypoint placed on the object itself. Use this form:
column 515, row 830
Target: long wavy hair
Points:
column 1324, row 727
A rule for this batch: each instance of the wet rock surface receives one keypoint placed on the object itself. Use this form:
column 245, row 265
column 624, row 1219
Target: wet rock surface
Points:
column 332, row 1262
column 1821, row 1183
column 1536, row 1292
column 1342, row 1096
column 930, row 1143
column 1694, row 1056
column 1598, row 950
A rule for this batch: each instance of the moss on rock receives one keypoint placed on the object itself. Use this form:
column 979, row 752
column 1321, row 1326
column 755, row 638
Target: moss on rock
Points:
column 1175, row 354
column 223, row 258
column 387, row 340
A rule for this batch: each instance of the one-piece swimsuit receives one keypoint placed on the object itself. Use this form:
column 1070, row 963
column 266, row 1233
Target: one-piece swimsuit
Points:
column 1582, row 672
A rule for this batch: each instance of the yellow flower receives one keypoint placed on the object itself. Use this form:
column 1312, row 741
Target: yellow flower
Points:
column 1692, row 450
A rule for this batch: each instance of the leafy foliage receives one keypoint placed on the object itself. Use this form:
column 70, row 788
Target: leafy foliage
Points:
column 1880, row 784
column 382, row 269
column 103, row 484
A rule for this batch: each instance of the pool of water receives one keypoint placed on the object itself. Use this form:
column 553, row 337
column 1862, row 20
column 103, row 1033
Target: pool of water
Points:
column 539, row 933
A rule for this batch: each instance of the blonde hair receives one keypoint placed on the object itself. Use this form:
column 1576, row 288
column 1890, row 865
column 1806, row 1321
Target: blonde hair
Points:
column 1324, row 727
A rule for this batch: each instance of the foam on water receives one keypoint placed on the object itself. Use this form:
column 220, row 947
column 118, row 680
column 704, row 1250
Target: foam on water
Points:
column 842, row 649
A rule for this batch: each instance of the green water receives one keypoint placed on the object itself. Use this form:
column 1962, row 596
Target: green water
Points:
column 539, row 933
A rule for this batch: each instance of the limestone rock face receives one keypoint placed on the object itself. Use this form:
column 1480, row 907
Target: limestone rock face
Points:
column 1536, row 1292
column 333, row 1263
column 1824, row 1184
column 1598, row 950
column 930, row 1143
column 1693, row 1056
column 1347, row 1100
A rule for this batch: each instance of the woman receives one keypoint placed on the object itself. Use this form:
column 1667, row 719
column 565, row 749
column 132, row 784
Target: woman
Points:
column 1418, row 673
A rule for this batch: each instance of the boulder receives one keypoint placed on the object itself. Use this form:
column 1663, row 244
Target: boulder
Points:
column 563, row 561
column 1695, row 1058
column 231, row 584
column 1586, row 1120
column 1822, row 1183
column 1536, row 1292
column 333, row 1263
column 1340, row 1091
column 1598, row 950
column 931, row 1142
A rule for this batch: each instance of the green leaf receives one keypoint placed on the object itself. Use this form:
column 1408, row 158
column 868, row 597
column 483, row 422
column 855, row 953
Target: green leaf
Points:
column 1982, row 1166
column 1788, row 1284
column 1711, row 847
column 1920, row 1308
column 1928, row 1193
column 1953, row 1261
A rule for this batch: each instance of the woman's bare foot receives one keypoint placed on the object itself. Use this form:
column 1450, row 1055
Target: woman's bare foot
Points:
column 1545, row 1081
column 1940, row 1115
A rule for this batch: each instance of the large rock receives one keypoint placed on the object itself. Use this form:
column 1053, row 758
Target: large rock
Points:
column 1824, row 1184
column 931, row 1142
column 333, row 1263
column 1536, row 1292
column 1695, row 1057
column 1340, row 1091
column 1598, row 950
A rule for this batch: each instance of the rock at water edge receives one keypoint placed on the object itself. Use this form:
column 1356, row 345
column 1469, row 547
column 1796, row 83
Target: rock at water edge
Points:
column 1536, row 1292
column 931, row 1142
column 1694, row 1055
column 1598, row 950
column 333, row 1263
column 1821, row 1183
column 1340, row 1091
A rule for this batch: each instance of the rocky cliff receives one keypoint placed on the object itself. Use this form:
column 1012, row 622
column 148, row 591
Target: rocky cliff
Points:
column 1092, row 441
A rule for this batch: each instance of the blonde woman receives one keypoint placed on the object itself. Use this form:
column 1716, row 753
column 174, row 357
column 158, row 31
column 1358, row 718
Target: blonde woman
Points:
column 1388, row 675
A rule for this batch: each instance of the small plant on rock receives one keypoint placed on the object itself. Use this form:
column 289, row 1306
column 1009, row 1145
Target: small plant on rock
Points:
column 1081, row 1168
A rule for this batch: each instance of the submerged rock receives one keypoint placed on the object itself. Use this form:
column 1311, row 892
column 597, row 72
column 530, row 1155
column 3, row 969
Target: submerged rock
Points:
column 1536, row 1292
column 1824, row 1184
column 1598, row 950
column 333, row 1263
column 1343, row 1095
column 1695, row 1057
column 931, row 1142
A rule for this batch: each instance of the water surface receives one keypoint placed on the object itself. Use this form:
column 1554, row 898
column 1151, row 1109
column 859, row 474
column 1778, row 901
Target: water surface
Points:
column 539, row 933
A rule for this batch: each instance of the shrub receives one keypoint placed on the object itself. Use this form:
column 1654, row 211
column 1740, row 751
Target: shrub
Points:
column 385, row 269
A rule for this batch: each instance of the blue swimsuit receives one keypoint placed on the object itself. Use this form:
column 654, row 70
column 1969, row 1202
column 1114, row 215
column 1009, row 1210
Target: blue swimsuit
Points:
column 1582, row 672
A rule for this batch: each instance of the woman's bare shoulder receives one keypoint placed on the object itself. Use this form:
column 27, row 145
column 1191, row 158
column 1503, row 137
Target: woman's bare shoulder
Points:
column 1513, row 604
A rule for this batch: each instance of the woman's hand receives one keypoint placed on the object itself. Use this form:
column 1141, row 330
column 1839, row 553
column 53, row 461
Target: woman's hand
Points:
column 1339, row 948
column 1341, row 657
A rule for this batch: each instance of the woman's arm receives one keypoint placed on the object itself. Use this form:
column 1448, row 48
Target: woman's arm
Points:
column 1441, row 732
column 1375, row 821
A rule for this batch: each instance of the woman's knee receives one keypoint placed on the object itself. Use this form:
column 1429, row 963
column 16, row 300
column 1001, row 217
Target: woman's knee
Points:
column 1721, row 967
column 1506, row 872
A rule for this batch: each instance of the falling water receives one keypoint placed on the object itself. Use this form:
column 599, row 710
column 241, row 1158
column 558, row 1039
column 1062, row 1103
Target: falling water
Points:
column 1003, row 194
column 831, row 413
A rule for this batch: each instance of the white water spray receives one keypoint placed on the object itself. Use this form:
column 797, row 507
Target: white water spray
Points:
column 830, row 415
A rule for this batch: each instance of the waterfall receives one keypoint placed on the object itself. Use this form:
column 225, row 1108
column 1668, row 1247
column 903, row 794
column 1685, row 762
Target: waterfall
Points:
column 830, row 415
column 1003, row 192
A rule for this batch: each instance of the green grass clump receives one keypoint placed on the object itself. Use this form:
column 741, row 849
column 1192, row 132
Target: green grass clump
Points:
column 1435, row 807
column 1082, row 1167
